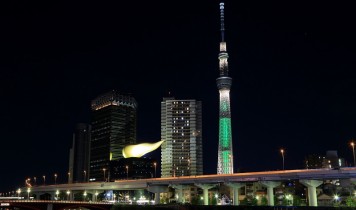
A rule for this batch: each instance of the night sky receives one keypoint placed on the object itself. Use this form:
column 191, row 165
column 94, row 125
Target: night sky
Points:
column 293, row 70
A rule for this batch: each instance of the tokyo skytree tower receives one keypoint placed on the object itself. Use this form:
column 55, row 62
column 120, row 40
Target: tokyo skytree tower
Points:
column 225, row 154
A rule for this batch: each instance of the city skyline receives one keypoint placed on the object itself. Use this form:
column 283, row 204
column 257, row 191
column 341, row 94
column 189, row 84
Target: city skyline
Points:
column 293, row 73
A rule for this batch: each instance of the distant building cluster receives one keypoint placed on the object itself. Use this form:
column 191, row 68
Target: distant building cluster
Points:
column 113, row 126
column 96, row 153
column 330, row 160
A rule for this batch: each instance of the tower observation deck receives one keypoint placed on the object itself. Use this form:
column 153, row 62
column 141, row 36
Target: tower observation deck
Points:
column 225, row 154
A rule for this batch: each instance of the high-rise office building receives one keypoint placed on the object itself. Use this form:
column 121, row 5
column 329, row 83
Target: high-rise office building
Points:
column 181, row 128
column 113, row 127
column 80, row 154
column 225, row 154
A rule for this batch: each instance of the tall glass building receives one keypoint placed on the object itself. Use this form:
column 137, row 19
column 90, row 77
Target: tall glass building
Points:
column 181, row 128
column 80, row 154
column 113, row 127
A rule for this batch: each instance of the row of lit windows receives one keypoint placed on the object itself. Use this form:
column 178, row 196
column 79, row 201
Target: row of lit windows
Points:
column 187, row 110
column 174, row 128
column 179, row 118
column 181, row 102
column 181, row 131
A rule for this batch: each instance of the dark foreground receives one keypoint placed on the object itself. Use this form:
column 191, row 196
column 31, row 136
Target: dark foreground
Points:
column 214, row 207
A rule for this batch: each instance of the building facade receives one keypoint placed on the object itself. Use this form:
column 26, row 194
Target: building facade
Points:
column 80, row 154
column 181, row 128
column 113, row 127
column 132, row 168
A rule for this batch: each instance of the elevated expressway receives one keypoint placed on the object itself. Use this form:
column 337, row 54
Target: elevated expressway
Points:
column 53, row 205
column 311, row 178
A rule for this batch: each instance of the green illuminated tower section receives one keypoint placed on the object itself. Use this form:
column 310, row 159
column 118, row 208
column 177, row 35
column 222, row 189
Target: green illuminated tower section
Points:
column 225, row 154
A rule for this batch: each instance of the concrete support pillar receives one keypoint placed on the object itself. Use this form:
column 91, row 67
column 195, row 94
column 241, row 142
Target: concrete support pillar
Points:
column 157, row 189
column 71, row 196
column 95, row 194
column 157, row 198
column 50, row 206
column 270, row 185
column 53, row 195
column 206, row 188
column 179, row 192
column 312, row 185
column 94, row 198
column 353, row 181
column 90, row 193
column 235, row 187
column 37, row 196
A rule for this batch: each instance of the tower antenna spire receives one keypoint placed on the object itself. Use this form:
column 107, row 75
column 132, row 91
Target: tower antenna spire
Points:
column 222, row 25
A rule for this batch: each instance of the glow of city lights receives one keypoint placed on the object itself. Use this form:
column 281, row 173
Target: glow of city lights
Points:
column 28, row 193
column 18, row 192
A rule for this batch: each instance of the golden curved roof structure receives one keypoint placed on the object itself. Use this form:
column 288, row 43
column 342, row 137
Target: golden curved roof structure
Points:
column 138, row 150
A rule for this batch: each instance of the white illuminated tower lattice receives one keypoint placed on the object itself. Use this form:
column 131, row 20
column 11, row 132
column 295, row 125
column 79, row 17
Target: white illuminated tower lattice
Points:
column 225, row 154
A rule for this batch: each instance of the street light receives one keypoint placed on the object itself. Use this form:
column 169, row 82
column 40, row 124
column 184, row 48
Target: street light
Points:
column 155, row 165
column 353, row 151
column 127, row 172
column 282, row 152
column 68, row 177
column 55, row 179
column 336, row 197
column 28, row 193
column 104, row 169
column 85, row 175
column 96, row 196
column 44, row 180
column 68, row 192
column 18, row 192
column 57, row 193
